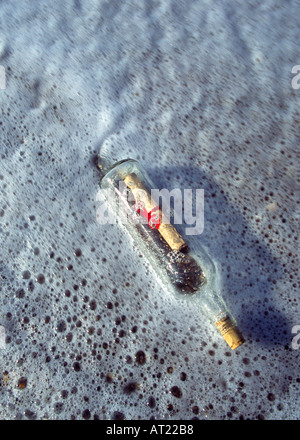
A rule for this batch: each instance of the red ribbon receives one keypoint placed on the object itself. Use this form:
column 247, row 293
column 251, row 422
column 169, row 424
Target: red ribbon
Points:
column 152, row 216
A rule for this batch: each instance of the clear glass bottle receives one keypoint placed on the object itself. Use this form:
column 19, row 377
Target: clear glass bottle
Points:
column 183, row 263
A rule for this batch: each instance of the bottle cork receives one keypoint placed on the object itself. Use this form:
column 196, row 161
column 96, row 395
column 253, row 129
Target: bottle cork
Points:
column 143, row 198
column 230, row 332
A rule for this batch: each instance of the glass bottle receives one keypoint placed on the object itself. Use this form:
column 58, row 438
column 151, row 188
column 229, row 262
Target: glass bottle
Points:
column 183, row 263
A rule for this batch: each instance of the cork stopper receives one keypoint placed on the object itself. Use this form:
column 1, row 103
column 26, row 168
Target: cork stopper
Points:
column 230, row 332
